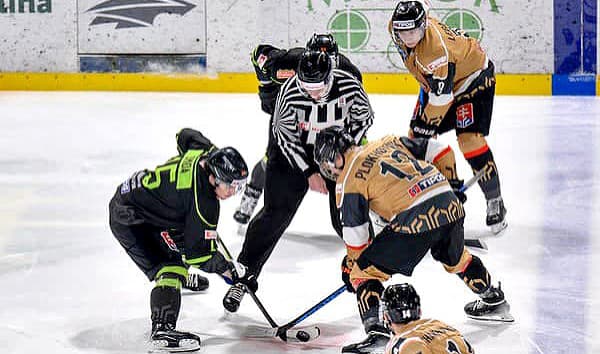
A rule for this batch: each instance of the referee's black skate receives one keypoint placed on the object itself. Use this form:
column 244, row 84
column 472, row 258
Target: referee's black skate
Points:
column 374, row 344
column 165, row 338
column 496, row 215
column 196, row 282
column 233, row 297
column 491, row 307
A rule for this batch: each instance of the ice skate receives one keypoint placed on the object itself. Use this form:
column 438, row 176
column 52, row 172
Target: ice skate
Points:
column 233, row 297
column 196, row 282
column 374, row 344
column 247, row 205
column 165, row 338
column 496, row 215
column 491, row 307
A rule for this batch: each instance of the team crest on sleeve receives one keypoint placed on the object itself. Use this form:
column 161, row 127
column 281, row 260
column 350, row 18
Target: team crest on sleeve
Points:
column 464, row 115
column 261, row 60
column 210, row 234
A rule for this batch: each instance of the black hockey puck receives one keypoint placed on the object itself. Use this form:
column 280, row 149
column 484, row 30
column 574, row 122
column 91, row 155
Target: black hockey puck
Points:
column 302, row 336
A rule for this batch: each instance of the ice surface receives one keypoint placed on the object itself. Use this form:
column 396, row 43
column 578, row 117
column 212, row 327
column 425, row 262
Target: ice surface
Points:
column 68, row 287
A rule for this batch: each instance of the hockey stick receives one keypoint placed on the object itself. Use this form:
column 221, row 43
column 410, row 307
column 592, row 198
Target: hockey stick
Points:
column 256, row 331
column 475, row 242
column 287, row 334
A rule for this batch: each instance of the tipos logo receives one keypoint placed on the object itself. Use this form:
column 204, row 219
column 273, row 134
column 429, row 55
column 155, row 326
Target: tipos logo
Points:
column 136, row 13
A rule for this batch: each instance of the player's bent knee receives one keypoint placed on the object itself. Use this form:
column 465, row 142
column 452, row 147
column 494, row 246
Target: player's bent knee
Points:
column 472, row 144
column 461, row 265
column 171, row 276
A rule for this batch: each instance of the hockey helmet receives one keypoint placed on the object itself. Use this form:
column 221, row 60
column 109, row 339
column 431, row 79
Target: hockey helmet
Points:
column 408, row 16
column 315, row 74
column 324, row 43
column 329, row 143
column 228, row 166
column 400, row 303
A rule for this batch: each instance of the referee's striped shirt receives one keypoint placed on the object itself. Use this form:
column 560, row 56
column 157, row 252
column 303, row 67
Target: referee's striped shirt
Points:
column 298, row 119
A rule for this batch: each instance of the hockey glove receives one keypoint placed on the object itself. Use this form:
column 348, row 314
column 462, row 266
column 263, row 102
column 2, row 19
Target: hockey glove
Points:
column 346, row 269
column 420, row 129
column 268, row 97
column 456, row 185
column 216, row 264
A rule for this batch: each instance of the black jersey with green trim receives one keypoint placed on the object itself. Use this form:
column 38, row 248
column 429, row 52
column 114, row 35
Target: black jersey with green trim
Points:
column 178, row 197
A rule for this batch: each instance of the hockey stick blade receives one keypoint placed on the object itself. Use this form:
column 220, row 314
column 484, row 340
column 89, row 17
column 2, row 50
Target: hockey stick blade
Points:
column 292, row 335
column 476, row 243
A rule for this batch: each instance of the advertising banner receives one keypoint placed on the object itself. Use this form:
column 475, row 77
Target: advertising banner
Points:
column 38, row 35
column 142, row 26
column 517, row 36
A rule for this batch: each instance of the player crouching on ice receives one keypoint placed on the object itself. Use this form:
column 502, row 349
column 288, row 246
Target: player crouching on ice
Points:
column 394, row 180
column 401, row 310
column 181, row 196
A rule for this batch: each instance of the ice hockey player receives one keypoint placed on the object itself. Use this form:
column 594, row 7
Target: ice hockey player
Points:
column 169, row 215
column 273, row 66
column 397, row 180
column 318, row 97
column 401, row 309
column 457, row 92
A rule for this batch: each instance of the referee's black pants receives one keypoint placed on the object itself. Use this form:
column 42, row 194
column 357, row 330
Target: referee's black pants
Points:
column 285, row 188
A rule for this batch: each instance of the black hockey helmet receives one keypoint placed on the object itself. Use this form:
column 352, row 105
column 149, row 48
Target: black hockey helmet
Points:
column 407, row 16
column 324, row 43
column 315, row 74
column 400, row 303
column 329, row 143
column 314, row 67
column 228, row 166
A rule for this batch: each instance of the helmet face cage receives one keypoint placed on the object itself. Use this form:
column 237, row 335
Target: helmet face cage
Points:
column 330, row 143
column 315, row 74
column 229, row 168
column 408, row 15
column 401, row 304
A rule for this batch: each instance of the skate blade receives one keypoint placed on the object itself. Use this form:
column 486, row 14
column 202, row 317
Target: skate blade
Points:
column 185, row 345
column 501, row 317
column 499, row 227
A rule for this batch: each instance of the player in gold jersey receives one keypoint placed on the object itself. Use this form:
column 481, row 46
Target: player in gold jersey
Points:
column 457, row 92
column 401, row 309
column 401, row 184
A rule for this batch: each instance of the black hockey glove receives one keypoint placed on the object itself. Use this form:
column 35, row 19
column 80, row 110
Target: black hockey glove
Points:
column 421, row 129
column 216, row 264
column 346, row 269
column 456, row 185
column 268, row 97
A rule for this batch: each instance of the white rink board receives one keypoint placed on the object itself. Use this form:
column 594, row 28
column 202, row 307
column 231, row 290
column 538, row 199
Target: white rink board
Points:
column 228, row 30
column 172, row 27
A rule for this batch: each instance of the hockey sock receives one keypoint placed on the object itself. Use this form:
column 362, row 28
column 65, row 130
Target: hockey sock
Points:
column 476, row 276
column 165, row 302
column 489, row 182
column 368, row 296
column 479, row 156
column 257, row 179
